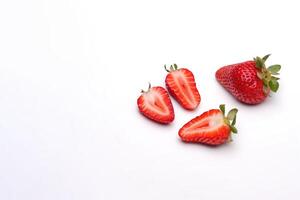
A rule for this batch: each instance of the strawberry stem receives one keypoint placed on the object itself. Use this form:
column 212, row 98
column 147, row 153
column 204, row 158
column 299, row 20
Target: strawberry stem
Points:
column 173, row 67
column 165, row 66
column 222, row 108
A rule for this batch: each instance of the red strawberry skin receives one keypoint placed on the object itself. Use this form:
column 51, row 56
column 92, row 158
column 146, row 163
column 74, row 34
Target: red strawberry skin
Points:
column 156, row 104
column 181, row 85
column 208, row 128
column 242, row 82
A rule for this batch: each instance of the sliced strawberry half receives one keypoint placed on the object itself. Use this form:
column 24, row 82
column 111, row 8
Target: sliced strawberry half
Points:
column 181, row 85
column 156, row 104
column 211, row 127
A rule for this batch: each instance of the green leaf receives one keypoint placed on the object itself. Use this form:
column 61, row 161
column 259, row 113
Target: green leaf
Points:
column 274, row 73
column 266, row 57
column 274, row 78
column 274, row 69
column 175, row 66
column 259, row 62
column 222, row 108
column 232, row 113
column 233, row 121
column 274, row 85
column 165, row 66
column 172, row 68
column 233, row 129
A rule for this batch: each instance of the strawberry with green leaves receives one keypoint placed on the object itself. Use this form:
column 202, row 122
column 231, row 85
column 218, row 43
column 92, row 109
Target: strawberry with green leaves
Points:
column 211, row 127
column 250, row 82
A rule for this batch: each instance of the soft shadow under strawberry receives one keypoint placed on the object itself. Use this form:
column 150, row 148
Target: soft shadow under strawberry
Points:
column 227, row 145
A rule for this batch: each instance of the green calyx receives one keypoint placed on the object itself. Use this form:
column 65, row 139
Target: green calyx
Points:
column 230, row 119
column 171, row 68
column 149, row 87
column 267, row 74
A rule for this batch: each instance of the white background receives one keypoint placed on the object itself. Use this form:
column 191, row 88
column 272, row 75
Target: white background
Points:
column 70, row 74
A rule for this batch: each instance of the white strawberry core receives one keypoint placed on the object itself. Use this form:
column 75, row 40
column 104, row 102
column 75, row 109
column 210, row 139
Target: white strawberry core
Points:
column 151, row 99
column 206, row 124
column 216, row 120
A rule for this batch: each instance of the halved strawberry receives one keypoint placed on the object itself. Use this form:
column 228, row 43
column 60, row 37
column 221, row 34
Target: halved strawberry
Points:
column 181, row 85
column 211, row 127
column 156, row 104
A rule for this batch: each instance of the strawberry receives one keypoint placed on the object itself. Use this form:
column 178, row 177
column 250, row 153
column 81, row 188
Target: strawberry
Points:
column 155, row 103
column 211, row 127
column 251, row 81
column 181, row 85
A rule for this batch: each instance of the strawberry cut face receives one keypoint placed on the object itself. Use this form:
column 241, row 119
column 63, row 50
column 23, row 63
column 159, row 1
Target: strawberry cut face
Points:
column 181, row 85
column 156, row 105
column 209, row 128
column 154, row 101
column 208, row 123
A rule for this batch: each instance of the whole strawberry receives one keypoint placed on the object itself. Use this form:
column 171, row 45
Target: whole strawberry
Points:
column 251, row 81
